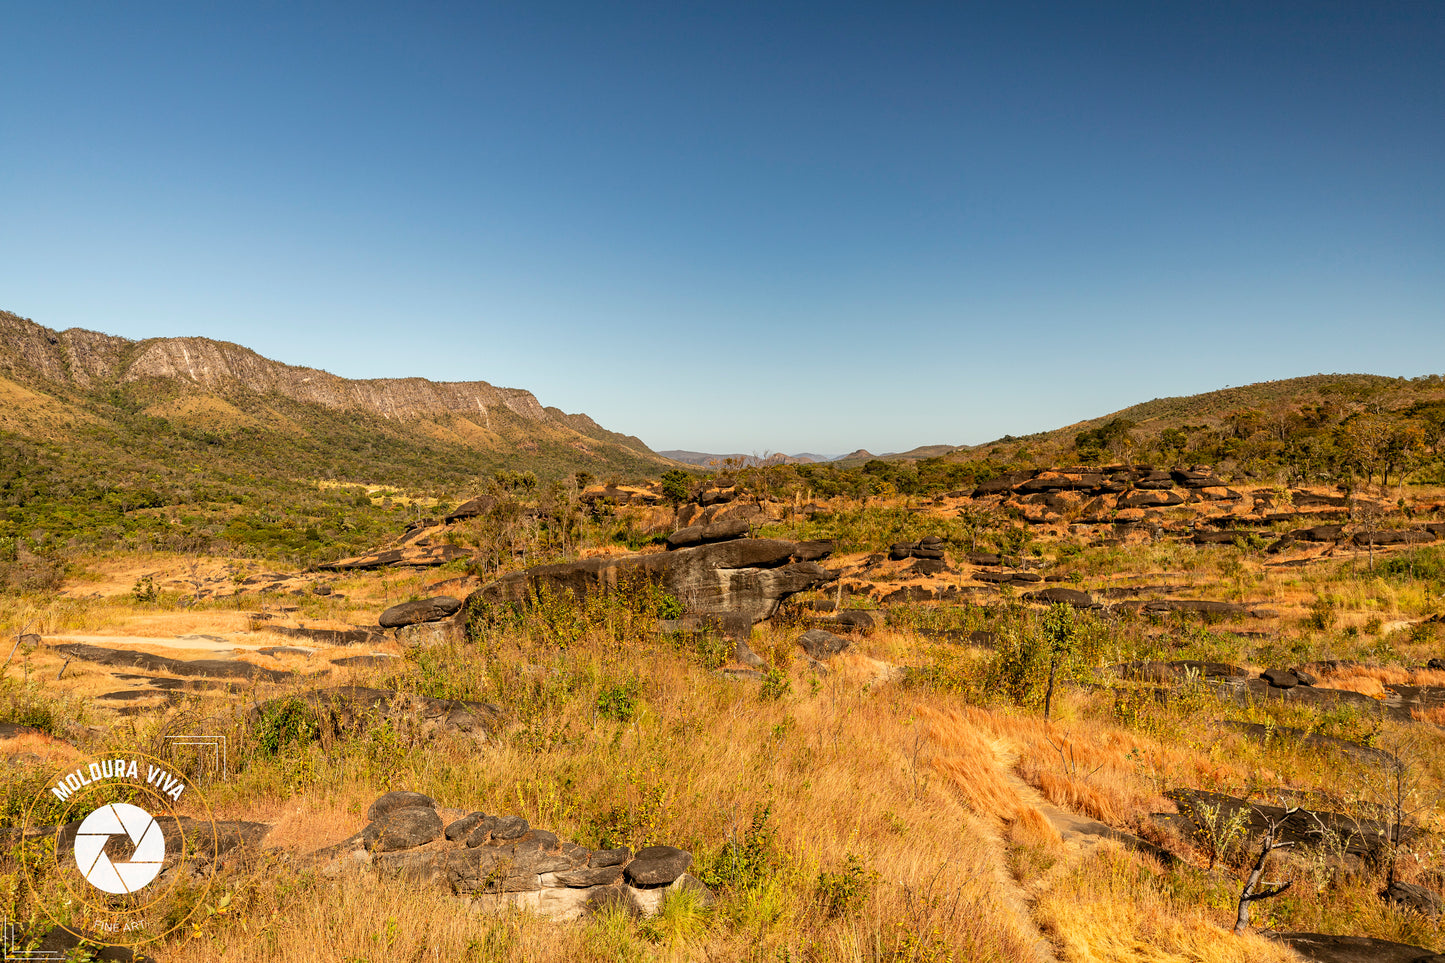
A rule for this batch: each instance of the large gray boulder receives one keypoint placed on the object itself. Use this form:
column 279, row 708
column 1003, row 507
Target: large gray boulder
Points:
column 742, row 579
column 422, row 610
column 402, row 829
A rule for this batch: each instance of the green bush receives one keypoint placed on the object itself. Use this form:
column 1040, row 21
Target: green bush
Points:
column 775, row 685
column 286, row 723
column 619, row 702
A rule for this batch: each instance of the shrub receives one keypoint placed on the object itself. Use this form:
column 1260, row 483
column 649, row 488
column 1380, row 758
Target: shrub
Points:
column 775, row 685
column 284, row 724
column 619, row 701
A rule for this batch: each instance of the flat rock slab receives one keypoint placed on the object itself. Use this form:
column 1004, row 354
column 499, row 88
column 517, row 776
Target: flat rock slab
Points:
column 1313, row 740
column 346, row 709
column 1176, row 671
column 1324, row 948
column 210, row 668
column 364, row 661
column 707, row 534
column 1400, row 702
column 352, row 636
column 1066, row 596
column 135, row 695
column 65, row 944
column 1312, row 828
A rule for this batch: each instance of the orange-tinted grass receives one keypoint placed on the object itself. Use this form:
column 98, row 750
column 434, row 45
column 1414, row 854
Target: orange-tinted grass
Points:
column 1032, row 828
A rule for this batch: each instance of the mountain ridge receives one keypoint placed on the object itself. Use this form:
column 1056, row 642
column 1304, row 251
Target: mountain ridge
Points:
column 88, row 361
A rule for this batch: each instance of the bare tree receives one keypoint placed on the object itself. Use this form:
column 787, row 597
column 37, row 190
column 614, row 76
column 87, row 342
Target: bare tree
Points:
column 1399, row 795
column 1254, row 887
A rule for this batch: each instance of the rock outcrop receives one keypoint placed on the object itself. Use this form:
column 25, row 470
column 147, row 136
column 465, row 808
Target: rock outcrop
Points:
column 350, row 709
column 502, row 862
column 740, row 580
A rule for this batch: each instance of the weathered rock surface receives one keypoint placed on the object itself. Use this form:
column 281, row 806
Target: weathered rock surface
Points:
column 1413, row 897
column 207, row 668
column 822, row 645
column 402, row 829
column 707, row 534
column 745, row 578
column 1068, row 596
column 422, row 610
column 1310, row 828
column 1313, row 740
column 1008, row 578
column 349, row 709
column 399, row 800
column 1393, row 536
column 929, row 547
column 1280, row 678
column 657, row 866
column 1176, row 671
column 448, row 631
column 1325, row 948
column 416, row 556
column 353, row 636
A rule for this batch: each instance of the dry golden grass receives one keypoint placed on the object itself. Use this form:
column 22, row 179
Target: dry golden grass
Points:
column 1032, row 828
column 1110, row 909
column 968, row 761
column 1371, row 680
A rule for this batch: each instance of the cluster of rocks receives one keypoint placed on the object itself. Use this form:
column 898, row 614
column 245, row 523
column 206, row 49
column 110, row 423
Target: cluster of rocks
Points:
column 1111, row 495
column 414, row 555
column 502, row 862
column 927, row 552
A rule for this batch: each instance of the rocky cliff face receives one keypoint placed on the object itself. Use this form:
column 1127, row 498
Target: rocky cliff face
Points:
column 87, row 360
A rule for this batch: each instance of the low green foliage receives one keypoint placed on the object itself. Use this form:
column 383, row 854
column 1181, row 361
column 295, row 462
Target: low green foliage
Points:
column 288, row 722
column 619, row 701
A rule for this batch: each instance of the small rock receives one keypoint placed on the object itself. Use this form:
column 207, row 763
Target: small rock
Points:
column 463, row 827
column 742, row 652
column 822, row 645
column 1280, row 678
column 1412, row 897
column 398, row 800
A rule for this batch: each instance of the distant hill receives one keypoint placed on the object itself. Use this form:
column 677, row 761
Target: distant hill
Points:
column 704, row 458
column 1324, row 425
column 88, row 420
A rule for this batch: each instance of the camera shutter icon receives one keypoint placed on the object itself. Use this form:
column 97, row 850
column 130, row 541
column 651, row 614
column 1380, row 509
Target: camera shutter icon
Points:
column 145, row 862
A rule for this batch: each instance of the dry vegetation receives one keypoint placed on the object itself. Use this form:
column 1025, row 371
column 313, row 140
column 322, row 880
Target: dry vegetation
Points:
column 869, row 814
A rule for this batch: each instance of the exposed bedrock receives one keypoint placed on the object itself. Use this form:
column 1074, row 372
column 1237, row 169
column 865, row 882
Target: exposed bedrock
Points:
column 740, row 579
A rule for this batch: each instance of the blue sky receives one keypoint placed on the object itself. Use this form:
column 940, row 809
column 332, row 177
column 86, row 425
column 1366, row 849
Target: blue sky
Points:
column 743, row 227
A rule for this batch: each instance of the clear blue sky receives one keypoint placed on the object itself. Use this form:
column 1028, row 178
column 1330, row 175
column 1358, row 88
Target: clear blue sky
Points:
column 743, row 227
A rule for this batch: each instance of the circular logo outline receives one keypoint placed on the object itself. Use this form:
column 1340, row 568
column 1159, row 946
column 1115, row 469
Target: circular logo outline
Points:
column 200, row 825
